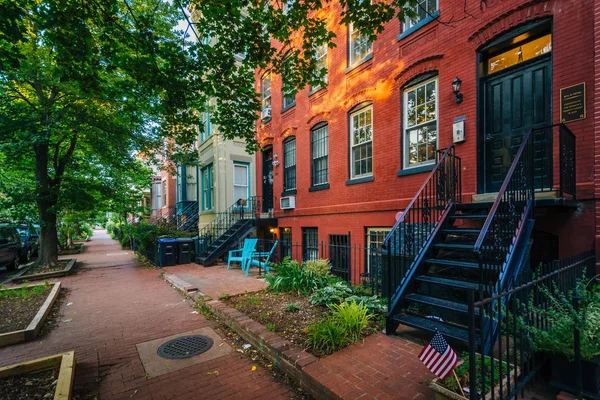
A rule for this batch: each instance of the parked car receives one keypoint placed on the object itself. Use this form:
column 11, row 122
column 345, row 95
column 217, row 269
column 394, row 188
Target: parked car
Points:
column 10, row 247
column 30, row 241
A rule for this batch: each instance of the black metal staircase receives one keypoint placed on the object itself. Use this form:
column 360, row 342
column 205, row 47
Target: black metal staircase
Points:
column 443, row 255
column 227, row 229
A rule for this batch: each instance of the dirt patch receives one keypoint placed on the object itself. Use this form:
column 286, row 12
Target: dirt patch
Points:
column 56, row 313
column 39, row 385
column 274, row 310
column 20, row 306
column 40, row 269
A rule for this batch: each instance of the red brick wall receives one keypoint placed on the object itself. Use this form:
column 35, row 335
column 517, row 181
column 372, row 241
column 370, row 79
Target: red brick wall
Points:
column 452, row 51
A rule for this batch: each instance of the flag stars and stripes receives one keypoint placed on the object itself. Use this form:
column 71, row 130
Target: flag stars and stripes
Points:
column 439, row 357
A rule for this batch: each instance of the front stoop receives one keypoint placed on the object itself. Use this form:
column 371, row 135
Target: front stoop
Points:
column 291, row 360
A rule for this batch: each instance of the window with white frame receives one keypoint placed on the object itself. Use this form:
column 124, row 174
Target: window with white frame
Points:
column 157, row 198
column 241, row 181
column 360, row 46
column 208, row 189
column 361, row 142
column 419, row 12
column 321, row 60
column 420, row 123
column 289, row 164
column 191, row 183
column 319, row 142
column 266, row 95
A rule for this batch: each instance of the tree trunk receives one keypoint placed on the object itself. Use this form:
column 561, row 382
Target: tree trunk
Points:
column 69, row 237
column 47, row 199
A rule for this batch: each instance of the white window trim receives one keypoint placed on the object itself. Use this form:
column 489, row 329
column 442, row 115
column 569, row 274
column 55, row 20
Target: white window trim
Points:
column 239, row 164
column 265, row 77
column 405, row 128
column 352, row 144
column 318, row 61
column 406, row 22
column 351, row 61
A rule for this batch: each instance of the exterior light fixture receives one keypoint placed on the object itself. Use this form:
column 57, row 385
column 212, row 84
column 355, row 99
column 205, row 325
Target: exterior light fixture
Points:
column 456, row 89
column 272, row 230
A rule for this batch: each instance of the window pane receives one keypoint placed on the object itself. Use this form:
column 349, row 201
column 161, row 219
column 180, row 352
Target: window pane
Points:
column 240, row 175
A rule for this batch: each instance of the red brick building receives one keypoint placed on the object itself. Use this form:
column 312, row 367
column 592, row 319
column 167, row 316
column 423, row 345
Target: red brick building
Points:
column 346, row 158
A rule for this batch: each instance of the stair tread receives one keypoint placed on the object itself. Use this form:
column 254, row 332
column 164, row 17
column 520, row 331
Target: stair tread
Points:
column 468, row 216
column 452, row 263
column 448, row 282
column 440, row 303
column 461, row 230
column 431, row 325
column 455, row 246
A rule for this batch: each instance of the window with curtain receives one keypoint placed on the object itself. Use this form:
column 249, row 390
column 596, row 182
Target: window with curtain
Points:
column 241, row 182
column 191, row 183
column 208, row 190
column 361, row 142
column 289, row 164
column 420, row 123
column 360, row 46
column 319, row 142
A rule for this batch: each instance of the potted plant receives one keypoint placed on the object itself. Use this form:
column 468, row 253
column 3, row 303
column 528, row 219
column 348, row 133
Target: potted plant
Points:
column 556, row 338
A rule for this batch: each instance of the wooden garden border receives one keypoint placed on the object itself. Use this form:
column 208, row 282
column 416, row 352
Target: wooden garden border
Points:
column 47, row 275
column 64, row 387
column 35, row 325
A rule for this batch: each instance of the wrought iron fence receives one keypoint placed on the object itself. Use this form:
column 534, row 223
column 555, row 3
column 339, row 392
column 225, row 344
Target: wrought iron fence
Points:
column 510, row 363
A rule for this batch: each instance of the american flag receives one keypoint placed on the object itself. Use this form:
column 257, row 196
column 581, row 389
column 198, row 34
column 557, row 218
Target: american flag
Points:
column 439, row 357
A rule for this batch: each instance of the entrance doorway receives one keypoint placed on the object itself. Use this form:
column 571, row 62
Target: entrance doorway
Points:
column 267, row 180
column 516, row 97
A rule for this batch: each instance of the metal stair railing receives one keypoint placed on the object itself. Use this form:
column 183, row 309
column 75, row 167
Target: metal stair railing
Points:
column 187, row 218
column 408, row 240
column 167, row 218
column 241, row 210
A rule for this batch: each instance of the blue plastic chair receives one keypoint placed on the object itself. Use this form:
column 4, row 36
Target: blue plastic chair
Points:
column 242, row 254
column 254, row 259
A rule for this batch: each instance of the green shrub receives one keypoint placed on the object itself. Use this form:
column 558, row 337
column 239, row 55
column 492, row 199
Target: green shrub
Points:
column 292, row 307
column 319, row 267
column 291, row 277
column 327, row 336
column 353, row 317
column 125, row 241
column 330, row 295
column 373, row 303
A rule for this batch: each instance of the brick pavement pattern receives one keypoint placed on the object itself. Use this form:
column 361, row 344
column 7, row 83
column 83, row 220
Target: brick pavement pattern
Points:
column 117, row 303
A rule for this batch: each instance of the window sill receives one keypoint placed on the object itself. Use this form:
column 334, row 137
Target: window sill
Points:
column 418, row 26
column 416, row 170
column 319, row 187
column 265, row 120
column 288, row 192
column 316, row 90
column 288, row 108
column 356, row 181
column 368, row 57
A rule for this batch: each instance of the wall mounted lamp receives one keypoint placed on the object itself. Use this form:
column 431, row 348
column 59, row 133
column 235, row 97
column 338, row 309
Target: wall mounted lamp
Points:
column 456, row 89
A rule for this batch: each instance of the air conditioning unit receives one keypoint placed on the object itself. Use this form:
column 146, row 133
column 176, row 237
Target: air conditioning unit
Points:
column 266, row 113
column 287, row 203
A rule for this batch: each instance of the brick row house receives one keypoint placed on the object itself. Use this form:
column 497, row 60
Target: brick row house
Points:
column 345, row 160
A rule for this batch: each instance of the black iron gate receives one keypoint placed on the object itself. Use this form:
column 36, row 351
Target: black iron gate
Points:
column 339, row 256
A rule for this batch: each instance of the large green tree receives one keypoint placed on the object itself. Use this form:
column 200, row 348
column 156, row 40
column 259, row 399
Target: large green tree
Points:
column 115, row 76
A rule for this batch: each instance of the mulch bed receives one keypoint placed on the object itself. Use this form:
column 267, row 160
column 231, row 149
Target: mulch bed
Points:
column 17, row 313
column 39, row 385
column 269, row 309
column 39, row 269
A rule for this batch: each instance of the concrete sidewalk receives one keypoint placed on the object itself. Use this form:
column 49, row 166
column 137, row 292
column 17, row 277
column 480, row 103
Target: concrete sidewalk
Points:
column 111, row 305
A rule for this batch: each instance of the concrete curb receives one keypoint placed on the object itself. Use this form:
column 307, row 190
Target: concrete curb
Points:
column 47, row 275
column 291, row 360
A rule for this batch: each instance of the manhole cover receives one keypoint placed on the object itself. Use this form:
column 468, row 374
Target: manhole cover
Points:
column 185, row 347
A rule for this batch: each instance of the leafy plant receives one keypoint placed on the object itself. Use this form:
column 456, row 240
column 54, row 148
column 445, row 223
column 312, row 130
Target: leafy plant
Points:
column 330, row 295
column 320, row 267
column 23, row 292
column 557, row 335
column 254, row 300
column 489, row 381
column 353, row 316
column 270, row 327
column 292, row 307
column 373, row 303
column 327, row 336
column 291, row 277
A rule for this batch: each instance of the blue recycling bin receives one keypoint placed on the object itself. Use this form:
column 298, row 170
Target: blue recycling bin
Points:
column 185, row 247
column 167, row 252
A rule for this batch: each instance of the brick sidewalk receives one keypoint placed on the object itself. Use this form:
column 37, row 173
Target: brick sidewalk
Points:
column 117, row 304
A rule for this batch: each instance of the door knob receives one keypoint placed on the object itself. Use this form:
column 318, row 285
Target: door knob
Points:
column 488, row 137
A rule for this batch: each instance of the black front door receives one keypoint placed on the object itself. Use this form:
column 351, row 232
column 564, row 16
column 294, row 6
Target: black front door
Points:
column 267, row 178
column 516, row 101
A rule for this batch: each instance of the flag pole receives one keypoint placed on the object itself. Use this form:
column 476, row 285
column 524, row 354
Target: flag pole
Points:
column 459, row 385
